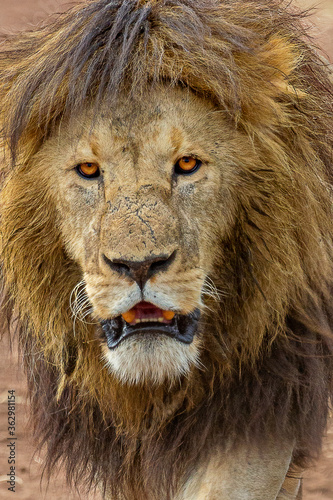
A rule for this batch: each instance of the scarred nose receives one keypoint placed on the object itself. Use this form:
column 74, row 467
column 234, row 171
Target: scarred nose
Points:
column 141, row 271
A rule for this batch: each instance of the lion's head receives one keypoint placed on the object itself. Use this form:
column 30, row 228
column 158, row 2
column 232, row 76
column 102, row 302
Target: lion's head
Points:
column 166, row 221
column 143, row 198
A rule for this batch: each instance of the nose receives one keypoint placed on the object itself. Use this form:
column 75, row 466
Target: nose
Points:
column 141, row 271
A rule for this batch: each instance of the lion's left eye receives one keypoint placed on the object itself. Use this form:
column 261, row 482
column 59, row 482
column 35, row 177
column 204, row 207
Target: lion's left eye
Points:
column 187, row 165
column 88, row 170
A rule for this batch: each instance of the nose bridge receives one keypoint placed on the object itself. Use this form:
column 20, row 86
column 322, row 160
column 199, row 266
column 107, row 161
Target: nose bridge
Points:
column 139, row 224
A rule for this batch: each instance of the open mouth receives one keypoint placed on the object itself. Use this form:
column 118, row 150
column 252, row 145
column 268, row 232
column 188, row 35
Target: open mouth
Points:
column 145, row 318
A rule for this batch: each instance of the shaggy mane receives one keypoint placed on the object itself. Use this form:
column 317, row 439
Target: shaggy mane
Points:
column 268, row 345
column 222, row 49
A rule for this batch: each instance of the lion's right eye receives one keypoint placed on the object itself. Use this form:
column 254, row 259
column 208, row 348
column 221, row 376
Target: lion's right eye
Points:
column 88, row 170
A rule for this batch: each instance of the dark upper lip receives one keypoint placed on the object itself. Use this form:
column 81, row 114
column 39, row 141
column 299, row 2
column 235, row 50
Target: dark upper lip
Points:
column 182, row 328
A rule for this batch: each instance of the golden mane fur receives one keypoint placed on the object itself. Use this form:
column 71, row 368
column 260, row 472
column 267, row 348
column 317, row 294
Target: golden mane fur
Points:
column 268, row 342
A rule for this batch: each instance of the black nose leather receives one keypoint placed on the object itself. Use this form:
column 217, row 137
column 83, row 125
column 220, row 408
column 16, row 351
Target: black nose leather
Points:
column 141, row 271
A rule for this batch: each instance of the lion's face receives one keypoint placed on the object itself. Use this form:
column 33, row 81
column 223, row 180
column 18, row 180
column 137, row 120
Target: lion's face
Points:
column 143, row 196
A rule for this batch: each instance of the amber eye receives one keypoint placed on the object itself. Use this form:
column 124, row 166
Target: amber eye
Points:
column 187, row 165
column 88, row 170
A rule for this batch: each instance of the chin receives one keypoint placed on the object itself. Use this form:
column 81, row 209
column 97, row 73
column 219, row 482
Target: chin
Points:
column 151, row 359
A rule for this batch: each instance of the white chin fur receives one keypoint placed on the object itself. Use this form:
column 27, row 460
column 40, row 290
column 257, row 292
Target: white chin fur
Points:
column 151, row 359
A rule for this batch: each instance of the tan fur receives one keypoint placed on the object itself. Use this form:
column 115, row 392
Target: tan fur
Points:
column 239, row 474
column 134, row 87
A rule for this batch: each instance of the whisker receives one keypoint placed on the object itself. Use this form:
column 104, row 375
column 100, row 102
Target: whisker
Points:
column 209, row 289
column 80, row 305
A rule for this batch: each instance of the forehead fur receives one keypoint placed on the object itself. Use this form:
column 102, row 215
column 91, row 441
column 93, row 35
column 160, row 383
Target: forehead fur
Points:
column 163, row 116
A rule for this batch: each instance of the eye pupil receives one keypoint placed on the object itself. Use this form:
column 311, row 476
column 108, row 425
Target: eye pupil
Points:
column 88, row 170
column 187, row 165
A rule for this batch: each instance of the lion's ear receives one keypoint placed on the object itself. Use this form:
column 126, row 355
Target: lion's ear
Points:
column 269, row 83
column 279, row 58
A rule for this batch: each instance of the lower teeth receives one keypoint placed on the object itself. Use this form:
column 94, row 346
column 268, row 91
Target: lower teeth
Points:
column 145, row 320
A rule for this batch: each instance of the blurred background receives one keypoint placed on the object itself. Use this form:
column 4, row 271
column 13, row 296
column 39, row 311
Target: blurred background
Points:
column 17, row 15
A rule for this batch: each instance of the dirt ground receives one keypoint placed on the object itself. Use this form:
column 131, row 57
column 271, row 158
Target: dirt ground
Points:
column 318, row 482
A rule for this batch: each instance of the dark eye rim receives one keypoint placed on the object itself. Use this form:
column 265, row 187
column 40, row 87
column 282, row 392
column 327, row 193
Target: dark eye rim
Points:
column 85, row 176
column 179, row 171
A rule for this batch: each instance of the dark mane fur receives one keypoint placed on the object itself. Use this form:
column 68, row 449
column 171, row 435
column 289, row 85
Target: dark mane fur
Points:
column 271, row 335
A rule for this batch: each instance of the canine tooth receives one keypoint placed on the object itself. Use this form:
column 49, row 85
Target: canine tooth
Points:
column 138, row 321
column 129, row 316
column 168, row 315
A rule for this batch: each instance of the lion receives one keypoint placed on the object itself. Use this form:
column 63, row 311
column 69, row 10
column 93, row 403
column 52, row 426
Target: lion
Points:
column 166, row 244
